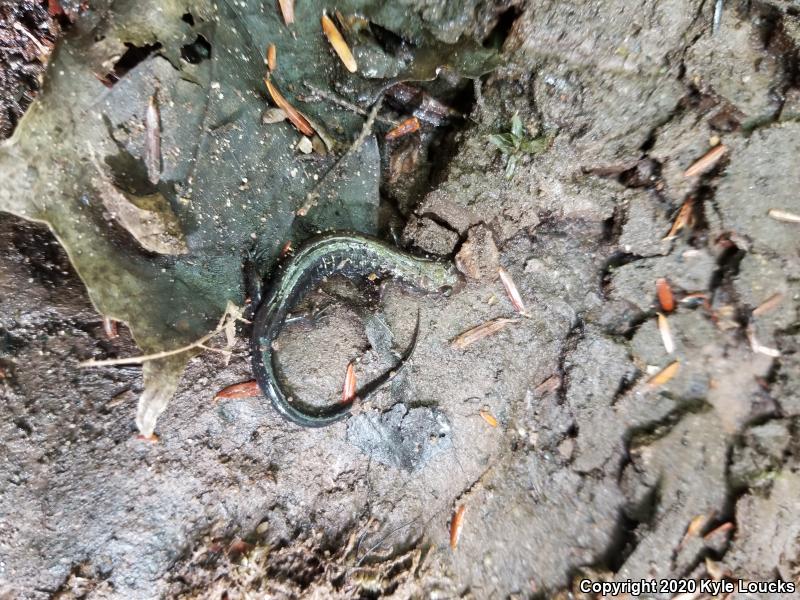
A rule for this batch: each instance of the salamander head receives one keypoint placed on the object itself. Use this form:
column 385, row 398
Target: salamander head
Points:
column 442, row 277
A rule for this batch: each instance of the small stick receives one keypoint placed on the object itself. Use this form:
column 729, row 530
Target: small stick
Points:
column 136, row 360
column 331, row 97
column 313, row 196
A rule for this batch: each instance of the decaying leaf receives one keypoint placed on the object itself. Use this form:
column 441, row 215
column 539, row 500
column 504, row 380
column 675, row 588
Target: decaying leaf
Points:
column 469, row 337
column 161, row 378
column 149, row 219
column 272, row 57
column 246, row 389
column 456, row 524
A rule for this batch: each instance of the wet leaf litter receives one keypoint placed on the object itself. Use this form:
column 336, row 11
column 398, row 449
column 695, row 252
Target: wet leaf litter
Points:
column 176, row 140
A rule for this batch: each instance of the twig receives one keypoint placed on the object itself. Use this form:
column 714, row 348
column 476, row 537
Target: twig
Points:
column 313, row 196
column 331, row 97
column 135, row 360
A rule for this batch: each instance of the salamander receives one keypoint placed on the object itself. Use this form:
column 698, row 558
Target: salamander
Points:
column 353, row 256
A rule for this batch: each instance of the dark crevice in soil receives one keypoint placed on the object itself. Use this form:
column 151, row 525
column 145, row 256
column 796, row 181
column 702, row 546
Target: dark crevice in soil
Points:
column 197, row 51
column 505, row 21
column 132, row 57
column 569, row 346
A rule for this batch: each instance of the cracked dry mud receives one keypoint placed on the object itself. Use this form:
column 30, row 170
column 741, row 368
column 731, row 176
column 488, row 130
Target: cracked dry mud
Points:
column 590, row 470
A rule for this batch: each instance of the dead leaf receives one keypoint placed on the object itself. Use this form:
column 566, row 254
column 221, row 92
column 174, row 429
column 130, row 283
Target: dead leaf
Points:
column 155, row 227
column 272, row 57
column 161, row 378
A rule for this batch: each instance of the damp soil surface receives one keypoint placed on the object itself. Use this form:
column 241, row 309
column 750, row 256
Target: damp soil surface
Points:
column 610, row 432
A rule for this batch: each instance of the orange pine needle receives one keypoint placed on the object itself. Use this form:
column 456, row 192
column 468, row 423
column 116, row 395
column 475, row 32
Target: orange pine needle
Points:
column 287, row 10
column 684, row 219
column 665, row 374
column 707, row 161
column 470, row 336
column 666, row 334
column 272, row 57
column 292, row 113
column 695, row 525
column 512, row 291
column 725, row 528
column 349, row 388
column 455, row 526
column 410, row 125
column 768, row 305
column 339, row 45
column 784, row 215
column 246, row 389
column 665, row 296
column 488, row 417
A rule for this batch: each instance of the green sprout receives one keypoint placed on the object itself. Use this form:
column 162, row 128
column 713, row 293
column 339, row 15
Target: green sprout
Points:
column 514, row 145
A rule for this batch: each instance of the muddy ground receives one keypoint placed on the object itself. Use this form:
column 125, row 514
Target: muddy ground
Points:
column 593, row 468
